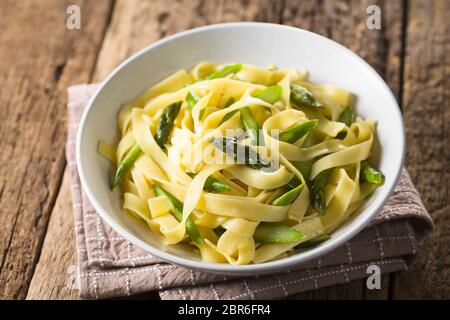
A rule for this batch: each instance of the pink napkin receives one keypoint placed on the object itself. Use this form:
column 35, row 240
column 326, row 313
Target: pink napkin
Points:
column 110, row 266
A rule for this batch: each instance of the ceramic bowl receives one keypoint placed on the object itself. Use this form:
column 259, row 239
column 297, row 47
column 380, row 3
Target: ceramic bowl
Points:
column 254, row 43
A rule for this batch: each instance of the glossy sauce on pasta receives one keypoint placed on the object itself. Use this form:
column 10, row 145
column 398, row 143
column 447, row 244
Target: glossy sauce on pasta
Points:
column 243, row 212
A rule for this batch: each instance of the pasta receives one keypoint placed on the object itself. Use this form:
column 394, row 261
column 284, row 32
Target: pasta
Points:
column 244, row 164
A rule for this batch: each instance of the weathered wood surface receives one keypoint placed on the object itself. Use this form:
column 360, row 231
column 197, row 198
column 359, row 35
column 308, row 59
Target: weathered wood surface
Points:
column 55, row 274
column 345, row 22
column 40, row 57
column 426, row 96
column 134, row 24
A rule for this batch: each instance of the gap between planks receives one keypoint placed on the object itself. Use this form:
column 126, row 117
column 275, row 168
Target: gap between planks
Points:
column 327, row 17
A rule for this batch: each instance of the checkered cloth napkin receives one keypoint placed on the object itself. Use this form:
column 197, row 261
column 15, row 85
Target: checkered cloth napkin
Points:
column 110, row 266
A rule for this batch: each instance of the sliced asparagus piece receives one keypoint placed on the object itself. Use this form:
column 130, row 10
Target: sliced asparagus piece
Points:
column 270, row 94
column 212, row 184
column 240, row 152
column 317, row 194
column 165, row 123
column 125, row 165
column 301, row 96
column 229, row 114
column 225, row 71
column 289, row 196
column 191, row 227
column 250, row 125
column 314, row 241
column 274, row 233
column 298, row 131
column 370, row 174
column 191, row 99
column 345, row 117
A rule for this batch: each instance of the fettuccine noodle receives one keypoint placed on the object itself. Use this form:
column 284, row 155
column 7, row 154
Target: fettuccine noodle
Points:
column 246, row 164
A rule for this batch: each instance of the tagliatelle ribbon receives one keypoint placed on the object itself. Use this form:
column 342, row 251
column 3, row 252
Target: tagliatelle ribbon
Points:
column 224, row 203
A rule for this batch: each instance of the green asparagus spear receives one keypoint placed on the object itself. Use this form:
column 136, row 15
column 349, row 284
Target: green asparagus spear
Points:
column 288, row 197
column 314, row 241
column 229, row 102
column 191, row 227
column 346, row 117
column 298, row 131
column 250, row 125
column 302, row 96
column 229, row 114
column 370, row 174
column 225, row 71
column 275, row 233
column 125, row 165
column 219, row 231
column 191, row 99
column 240, row 152
column 270, row 94
column 317, row 194
column 165, row 123
column 201, row 114
column 294, row 183
column 177, row 205
column 303, row 166
column 212, row 184
column 310, row 140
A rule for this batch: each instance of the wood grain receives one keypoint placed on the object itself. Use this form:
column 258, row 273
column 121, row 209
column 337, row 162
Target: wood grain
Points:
column 381, row 48
column 135, row 24
column 345, row 22
column 162, row 18
column 58, row 257
column 153, row 20
column 427, row 118
column 40, row 57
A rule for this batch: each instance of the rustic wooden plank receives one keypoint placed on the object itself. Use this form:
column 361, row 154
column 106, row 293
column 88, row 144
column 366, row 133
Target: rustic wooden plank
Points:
column 58, row 256
column 427, row 118
column 134, row 25
column 345, row 22
column 39, row 58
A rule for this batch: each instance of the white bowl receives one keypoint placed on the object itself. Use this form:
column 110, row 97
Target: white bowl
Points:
column 254, row 43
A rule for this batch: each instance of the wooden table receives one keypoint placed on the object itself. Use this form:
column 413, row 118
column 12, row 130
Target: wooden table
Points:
column 40, row 58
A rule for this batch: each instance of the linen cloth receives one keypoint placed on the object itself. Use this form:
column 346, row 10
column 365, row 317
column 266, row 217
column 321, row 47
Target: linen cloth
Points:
column 110, row 266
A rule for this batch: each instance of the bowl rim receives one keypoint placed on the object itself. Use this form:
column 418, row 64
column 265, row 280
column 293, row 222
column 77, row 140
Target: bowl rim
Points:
column 271, row 266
